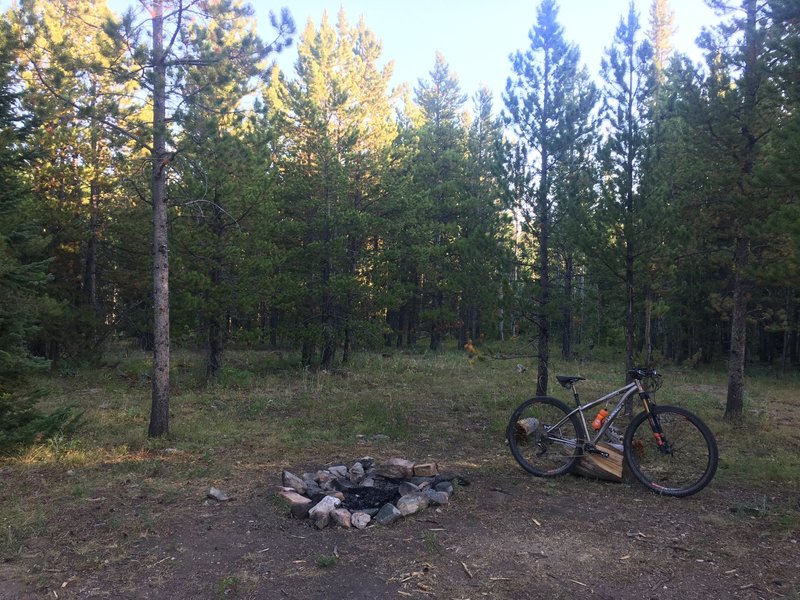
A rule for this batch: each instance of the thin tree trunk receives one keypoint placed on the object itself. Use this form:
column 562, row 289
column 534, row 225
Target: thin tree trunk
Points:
column 436, row 334
column 216, row 339
column 90, row 278
column 215, row 347
column 736, row 358
column 566, row 310
column 648, row 330
column 159, row 412
column 543, row 348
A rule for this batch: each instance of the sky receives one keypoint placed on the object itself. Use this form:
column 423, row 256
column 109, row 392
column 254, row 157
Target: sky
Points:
column 476, row 37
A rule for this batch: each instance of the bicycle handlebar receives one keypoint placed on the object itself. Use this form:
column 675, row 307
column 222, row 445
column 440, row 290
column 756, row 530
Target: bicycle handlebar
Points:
column 643, row 373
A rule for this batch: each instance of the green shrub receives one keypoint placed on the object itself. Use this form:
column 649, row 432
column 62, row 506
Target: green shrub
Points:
column 22, row 423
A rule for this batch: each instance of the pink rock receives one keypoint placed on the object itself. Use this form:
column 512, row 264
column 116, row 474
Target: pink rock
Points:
column 341, row 516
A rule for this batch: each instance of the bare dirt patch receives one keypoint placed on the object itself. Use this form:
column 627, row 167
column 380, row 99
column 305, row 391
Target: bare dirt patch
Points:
column 507, row 535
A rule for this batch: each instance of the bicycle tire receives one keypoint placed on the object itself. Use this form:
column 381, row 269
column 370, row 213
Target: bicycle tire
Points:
column 543, row 452
column 684, row 465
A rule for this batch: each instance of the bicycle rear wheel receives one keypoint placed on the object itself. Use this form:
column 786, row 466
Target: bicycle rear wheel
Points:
column 544, row 440
column 686, row 460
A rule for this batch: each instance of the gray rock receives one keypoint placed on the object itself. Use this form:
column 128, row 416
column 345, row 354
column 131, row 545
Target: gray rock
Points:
column 338, row 470
column 326, row 505
column 321, row 521
column 320, row 513
column 218, row 495
column 412, row 503
column 368, row 482
column 341, row 485
column 360, row 519
column 293, row 481
column 356, row 473
column 421, row 482
column 371, row 511
column 312, row 487
column 388, row 514
column 406, row 488
column 437, row 498
column 444, row 486
column 324, row 478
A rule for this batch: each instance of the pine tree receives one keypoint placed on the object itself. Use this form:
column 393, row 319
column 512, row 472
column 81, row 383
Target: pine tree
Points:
column 80, row 160
column 160, row 66
column 662, row 28
column 22, row 278
column 439, row 175
column 335, row 126
column 735, row 131
column 630, row 81
column 539, row 100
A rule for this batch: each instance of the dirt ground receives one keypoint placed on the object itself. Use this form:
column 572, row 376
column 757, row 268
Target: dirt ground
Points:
column 506, row 535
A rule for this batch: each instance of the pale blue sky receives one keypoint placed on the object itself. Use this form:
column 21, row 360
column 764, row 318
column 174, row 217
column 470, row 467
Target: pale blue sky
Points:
column 475, row 36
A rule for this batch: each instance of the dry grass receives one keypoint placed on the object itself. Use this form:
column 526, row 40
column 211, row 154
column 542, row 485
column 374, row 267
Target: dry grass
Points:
column 82, row 497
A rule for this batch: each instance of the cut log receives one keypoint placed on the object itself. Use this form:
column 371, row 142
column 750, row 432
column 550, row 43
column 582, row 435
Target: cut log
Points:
column 526, row 427
column 600, row 467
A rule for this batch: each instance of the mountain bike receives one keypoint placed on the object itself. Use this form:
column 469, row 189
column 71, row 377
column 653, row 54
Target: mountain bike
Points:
column 669, row 449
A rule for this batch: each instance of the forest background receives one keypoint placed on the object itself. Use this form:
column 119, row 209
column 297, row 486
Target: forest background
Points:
column 161, row 184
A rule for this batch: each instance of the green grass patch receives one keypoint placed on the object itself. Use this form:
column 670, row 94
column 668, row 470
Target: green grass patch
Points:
column 264, row 411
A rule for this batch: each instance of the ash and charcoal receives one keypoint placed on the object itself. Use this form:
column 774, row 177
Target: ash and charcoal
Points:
column 367, row 492
column 361, row 498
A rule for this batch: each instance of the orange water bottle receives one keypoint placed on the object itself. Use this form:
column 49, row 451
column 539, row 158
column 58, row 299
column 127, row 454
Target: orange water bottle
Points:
column 599, row 419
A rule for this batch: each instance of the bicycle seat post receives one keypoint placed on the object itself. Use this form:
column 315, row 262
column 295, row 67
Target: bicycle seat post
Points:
column 575, row 393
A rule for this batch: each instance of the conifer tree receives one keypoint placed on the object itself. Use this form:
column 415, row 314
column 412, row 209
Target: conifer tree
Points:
column 67, row 64
column 439, row 175
column 335, row 126
column 735, row 132
column 542, row 111
column 629, row 79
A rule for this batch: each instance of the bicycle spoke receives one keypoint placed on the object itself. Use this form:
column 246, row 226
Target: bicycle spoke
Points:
column 685, row 460
column 542, row 439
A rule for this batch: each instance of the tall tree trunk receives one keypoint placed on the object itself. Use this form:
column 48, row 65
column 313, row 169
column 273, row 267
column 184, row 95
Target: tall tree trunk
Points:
column 736, row 358
column 630, row 317
column 543, row 348
column 436, row 331
column 90, row 276
column 566, row 310
column 215, row 346
column 159, row 411
column 648, row 330
column 216, row 334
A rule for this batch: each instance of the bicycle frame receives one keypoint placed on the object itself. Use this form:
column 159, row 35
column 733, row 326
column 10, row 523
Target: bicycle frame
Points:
column 625, row 392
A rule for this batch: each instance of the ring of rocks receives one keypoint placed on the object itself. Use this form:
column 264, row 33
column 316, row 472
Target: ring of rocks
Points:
column 367, row 492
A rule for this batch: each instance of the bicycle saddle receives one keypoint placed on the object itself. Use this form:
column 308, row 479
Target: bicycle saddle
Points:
column 568, row 380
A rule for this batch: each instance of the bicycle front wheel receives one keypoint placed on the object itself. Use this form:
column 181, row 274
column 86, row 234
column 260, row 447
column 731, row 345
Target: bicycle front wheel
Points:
column 543, row 437
column 682, row 462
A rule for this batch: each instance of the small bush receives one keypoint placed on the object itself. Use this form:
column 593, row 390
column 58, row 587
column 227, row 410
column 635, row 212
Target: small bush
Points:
column 22, row 423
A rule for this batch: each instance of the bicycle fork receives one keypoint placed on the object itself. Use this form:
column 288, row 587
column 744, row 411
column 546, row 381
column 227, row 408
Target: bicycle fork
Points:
column 652, row 418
